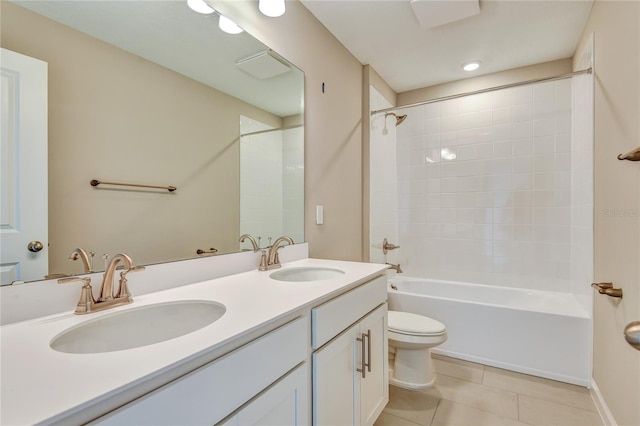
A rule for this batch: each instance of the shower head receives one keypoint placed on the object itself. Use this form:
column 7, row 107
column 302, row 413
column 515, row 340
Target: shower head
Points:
column 399, row 118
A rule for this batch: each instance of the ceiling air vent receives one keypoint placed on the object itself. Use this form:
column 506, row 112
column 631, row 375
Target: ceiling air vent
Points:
column 433, row 13
column 263, row 65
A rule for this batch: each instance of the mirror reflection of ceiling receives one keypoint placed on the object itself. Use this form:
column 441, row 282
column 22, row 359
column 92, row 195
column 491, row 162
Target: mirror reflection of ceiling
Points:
column 169, row 33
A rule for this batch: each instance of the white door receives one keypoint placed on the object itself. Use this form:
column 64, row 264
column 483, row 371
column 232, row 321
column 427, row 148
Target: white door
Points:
column 23, row 168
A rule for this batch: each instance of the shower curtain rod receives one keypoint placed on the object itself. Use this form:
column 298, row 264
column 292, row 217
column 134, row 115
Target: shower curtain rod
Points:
column 259, row 132
column 490, row 89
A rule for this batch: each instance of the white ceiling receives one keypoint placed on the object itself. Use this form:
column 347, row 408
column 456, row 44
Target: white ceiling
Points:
column 505, row 34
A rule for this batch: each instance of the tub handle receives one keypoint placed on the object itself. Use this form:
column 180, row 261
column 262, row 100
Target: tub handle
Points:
column 362, row 357
column 387, row 247
column 607, row 288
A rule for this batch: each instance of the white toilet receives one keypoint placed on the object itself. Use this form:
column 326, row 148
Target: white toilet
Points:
column 411, row 338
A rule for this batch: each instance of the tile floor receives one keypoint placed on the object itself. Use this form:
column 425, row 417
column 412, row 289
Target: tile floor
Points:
column 472, row 394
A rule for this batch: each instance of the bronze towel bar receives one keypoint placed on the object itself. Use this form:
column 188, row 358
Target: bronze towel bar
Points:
column 96, row 182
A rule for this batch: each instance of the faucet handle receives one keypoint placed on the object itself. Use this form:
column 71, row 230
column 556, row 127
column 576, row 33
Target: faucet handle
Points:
column 86, row 301
column 263, row 261
column 123, row 287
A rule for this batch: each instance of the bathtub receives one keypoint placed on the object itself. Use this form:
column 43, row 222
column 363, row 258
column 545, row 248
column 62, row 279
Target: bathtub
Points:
column 541, row 333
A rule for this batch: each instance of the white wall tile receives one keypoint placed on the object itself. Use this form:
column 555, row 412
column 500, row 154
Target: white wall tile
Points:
column 502, row 98
column 544, row 144
column 522, row 95
column 523, row 130
column 489, row 187
column 502, row 115
column 522, row 112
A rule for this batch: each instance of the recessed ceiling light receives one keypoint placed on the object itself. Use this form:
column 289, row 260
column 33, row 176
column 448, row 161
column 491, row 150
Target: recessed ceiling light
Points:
column 200, row 6
column 471, row 66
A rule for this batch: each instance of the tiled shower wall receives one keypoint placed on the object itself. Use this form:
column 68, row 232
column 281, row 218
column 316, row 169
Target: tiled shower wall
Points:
column 484, row 188
column 271, row 183
column 293, row 183
column 261, row 190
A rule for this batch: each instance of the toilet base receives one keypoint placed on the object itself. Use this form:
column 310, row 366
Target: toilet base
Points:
column 412, row 386
column 411, row 369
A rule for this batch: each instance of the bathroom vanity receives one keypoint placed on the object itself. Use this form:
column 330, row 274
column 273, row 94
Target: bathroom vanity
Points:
column 278, row 342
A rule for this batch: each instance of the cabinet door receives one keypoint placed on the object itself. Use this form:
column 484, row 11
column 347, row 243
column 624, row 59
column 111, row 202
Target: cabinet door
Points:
column 374, row 388
column 335, row 381
column 285, row 403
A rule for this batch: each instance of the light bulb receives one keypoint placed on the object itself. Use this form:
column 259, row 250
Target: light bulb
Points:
column 272, row 8
column 200, row 6
column 228, row 26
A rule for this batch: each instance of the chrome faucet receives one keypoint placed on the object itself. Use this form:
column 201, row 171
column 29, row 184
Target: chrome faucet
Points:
column 107, row 300
column 78, row 253
column 250, row 238
column 272, row 260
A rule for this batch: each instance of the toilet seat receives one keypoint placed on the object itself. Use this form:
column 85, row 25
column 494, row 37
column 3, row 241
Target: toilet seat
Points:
column 410, row 324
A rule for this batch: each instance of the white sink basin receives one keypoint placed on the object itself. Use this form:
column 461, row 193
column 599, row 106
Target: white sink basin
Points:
column 138, row 327
column 306, row 274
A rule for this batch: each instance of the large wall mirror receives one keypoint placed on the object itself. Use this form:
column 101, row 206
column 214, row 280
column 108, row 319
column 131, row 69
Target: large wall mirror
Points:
column 152, row 93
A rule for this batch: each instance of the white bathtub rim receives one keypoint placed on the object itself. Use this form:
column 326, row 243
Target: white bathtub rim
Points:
column 577, row 311
column 514, row 367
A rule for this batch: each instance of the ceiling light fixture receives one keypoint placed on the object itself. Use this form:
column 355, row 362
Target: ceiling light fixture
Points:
column 228, row 26
column 471, row 66
column 272, row 8
column 200, row 6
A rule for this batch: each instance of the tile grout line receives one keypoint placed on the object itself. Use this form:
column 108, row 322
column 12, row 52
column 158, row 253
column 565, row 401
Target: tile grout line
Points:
column 435, row 412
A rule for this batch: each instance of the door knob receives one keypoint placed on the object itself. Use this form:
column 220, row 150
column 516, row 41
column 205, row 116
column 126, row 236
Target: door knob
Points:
column 35, row 246
column 632, row 334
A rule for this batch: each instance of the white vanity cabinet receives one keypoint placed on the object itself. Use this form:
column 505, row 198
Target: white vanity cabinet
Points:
column 350, row 379
column 217, row 389
column 284, row 403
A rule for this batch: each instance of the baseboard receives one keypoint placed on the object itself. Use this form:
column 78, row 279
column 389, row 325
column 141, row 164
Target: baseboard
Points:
column 580, row 381
column 601, row 405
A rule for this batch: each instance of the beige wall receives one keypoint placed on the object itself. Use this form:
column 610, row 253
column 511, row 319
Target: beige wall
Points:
column 616, row 369
column 333, row 122
column 103, row 103
column 546, row 69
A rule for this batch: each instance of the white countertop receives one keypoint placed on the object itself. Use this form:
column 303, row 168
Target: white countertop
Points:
column 39, row 384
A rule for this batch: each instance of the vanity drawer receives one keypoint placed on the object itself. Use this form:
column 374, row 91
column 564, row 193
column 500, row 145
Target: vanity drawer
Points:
column 213, row 391
column 332, row 317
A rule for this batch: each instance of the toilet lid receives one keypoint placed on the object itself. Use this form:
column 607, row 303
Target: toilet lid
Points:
column 408, row 323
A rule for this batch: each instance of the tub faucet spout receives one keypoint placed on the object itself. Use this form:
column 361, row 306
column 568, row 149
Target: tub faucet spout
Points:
column 397, row 267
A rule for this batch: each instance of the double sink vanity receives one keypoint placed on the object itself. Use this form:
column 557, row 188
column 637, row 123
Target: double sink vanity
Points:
column 302, row 344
